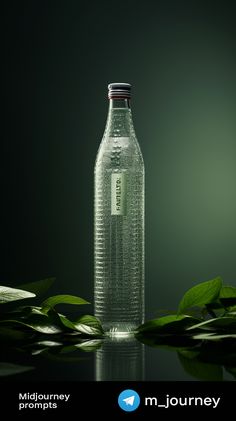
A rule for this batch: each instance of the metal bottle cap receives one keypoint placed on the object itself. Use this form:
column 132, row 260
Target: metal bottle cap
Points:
column 119, row 90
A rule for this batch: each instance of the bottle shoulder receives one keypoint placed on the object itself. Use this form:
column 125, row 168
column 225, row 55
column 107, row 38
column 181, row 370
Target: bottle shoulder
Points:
column 115, row 152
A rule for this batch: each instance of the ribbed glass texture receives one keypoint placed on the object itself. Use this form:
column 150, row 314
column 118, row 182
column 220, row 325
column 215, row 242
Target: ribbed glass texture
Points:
column 119, row 224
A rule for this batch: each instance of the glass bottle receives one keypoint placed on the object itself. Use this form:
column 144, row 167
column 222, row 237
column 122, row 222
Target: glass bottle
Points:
column 119, row 219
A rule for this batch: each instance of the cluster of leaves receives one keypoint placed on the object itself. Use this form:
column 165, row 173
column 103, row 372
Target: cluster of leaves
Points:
column 42, row 329
column 202, row 331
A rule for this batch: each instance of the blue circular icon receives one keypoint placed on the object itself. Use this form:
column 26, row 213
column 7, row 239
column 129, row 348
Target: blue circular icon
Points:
column 129, row 400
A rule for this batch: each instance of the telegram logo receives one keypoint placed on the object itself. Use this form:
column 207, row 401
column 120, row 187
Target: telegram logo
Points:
column 129, row 400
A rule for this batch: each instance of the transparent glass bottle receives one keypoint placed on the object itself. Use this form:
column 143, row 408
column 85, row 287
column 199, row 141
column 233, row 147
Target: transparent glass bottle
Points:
column 119, row 219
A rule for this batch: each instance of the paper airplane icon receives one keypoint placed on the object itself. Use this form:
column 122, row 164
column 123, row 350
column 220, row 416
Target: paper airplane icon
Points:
column 129, row 400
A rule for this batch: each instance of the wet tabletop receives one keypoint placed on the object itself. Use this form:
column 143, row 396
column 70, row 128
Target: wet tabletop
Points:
column 112, row 359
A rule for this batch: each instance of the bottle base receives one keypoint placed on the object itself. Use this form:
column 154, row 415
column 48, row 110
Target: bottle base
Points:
column 121, row 330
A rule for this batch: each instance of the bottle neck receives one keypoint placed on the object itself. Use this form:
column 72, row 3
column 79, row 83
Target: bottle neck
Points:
column 119, row 121
column 117, row 103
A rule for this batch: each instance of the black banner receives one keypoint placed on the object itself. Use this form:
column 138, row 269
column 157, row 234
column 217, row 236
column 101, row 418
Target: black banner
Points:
column 120, row 399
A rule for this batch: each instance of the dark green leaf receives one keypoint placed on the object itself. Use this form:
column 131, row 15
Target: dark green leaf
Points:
column 167, row 323
column 215, row 309
column 66, row 322
column 51, row 302
column 9, row 334
column 228, row 302
column 201, row 294
column 215, row 305
column 226, row 299
column 225, row 323
column 8, row 294
column 38, row 287
column 172, row 340
column 8, row 369
column 201, row 370
column 40, row 323
column 189, row 353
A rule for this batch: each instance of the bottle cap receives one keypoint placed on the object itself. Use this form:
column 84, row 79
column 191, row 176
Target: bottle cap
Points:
column 119, row 91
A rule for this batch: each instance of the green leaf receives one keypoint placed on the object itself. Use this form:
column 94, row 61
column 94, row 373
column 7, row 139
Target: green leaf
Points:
column 66, row 322
column 219, row 322
column 201, row 294
column 89, row 323
column 27, row 311
column 39, row 351
column 85, row 345
column 201, row 370
column 214, row 336
column 48, row 343
column 86, row 330
column 39, row 323
column 51, row 302
column 81, row 325
column 226, row 300
column 8, row 294
column 232, row 312
column 227, row 296
column 227, row 292
column 173, row 322
column 38, row 287
column 7, row 369
column 89, row 346
column 42, row 346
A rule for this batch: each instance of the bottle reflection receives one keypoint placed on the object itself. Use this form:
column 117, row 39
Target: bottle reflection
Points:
column 120, row 358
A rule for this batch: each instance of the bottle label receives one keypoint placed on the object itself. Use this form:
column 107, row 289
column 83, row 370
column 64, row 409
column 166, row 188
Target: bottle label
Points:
column 118, row 193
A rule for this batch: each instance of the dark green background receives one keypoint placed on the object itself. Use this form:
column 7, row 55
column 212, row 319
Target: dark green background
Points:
column 57, row 59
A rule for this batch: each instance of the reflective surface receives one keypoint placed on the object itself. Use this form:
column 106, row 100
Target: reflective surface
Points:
column 120, row 359
column 117, row 359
